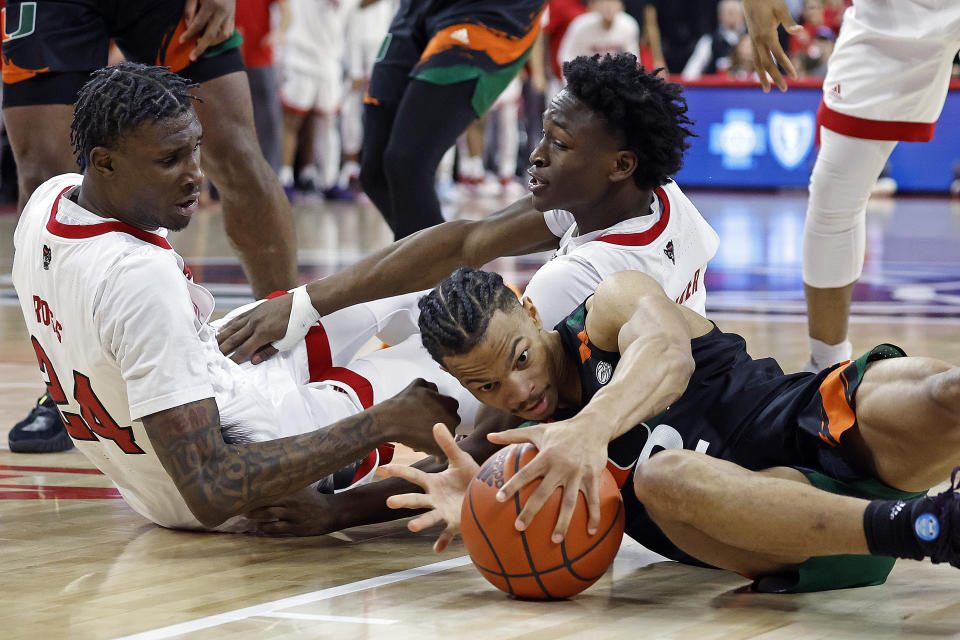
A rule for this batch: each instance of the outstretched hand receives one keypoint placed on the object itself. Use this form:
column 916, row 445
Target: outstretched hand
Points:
column 444, row 490
column 763, row 17
column 251, row 334
column 566, row 458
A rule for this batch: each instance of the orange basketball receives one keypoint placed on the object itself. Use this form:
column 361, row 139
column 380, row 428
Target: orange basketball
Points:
column 528, row 564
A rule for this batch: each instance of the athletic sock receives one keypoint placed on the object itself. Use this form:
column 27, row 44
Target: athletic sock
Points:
column 889, row 527
column 925, row 527
column 823, row 355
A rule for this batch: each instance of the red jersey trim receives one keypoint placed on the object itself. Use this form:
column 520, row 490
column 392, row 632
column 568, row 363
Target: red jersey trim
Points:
column 643, row 238
column 360, row 385
column 874, row 129
column 78, row 231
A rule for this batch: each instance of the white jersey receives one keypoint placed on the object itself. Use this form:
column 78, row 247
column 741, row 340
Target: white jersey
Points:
column 586, row 36
column 889, row 72
column 314, row 40
column 672, row 245
column 121, row 332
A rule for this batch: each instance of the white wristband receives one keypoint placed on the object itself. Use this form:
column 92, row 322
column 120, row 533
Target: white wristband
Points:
column 302, row 317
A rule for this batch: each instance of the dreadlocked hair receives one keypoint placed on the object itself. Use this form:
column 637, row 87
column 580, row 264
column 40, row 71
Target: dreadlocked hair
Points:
column 454, row 316
column 118, row 98
column 648, row 111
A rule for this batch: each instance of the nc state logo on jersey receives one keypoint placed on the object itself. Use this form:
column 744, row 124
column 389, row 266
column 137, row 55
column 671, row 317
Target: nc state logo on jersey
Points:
column 47, row 257
column 668, row 251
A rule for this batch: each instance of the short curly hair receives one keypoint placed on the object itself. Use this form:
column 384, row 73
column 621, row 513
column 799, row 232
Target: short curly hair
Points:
column 649, row 112
column 118, row 98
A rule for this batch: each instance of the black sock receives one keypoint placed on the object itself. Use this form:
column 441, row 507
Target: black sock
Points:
column 891, row 527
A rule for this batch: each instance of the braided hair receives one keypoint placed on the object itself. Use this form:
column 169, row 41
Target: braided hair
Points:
column 649, row 112
column 118, row 98
column 454, row 316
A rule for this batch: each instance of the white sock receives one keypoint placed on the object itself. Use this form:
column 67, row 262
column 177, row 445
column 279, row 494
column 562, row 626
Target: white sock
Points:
column 824, row 355
column 286, row 176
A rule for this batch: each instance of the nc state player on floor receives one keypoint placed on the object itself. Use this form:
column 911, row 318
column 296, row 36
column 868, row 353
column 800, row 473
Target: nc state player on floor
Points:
column 190, row 438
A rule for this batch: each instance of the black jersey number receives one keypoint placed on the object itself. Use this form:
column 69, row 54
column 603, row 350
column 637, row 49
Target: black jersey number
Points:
column 94, row 419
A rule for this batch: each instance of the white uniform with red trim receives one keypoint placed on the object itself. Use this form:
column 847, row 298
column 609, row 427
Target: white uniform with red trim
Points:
column 121, row 332
column 888, row 76
column 672, row 245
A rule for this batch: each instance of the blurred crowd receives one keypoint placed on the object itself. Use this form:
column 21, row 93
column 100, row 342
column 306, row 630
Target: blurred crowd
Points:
column 310, row 61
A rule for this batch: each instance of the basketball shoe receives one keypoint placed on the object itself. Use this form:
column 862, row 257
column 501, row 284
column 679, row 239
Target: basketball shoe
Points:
column 358, row 472
column 42, row 431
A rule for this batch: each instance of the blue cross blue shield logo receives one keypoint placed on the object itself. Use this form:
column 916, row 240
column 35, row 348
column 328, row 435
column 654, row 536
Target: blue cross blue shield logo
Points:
column 737, row 139
column 791, row 137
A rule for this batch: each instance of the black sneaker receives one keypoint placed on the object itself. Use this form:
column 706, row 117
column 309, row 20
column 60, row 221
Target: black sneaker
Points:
column 937, row 525
column 42, row 431
column 356, row 473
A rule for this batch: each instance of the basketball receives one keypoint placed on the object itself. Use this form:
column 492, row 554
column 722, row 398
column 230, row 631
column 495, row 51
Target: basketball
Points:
column 528, row 564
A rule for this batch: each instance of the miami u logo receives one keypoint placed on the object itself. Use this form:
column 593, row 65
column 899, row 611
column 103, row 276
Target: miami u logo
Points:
column 26, row 25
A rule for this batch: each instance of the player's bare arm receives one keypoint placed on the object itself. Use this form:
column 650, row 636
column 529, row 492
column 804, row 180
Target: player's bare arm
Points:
column 629, row 313
column 212, row 20
column 416, row 262
column 309, row 513
column 219, row 480
column 763, row 17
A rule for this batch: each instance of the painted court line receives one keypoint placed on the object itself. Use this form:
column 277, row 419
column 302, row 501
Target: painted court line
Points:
column 319, row 618
column 268, row 608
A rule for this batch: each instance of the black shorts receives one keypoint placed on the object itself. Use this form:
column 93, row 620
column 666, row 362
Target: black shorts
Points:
column 456, row 42
column 50, row 47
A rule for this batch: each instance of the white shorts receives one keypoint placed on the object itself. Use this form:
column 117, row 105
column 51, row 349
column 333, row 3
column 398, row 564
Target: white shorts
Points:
column 320, row 90
column 888, row 76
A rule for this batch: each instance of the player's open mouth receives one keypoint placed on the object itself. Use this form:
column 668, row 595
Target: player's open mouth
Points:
column 539, row 409
column 189, row 206
column 536, row 184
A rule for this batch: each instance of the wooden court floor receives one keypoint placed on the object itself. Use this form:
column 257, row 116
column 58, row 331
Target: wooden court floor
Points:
column 78, row 563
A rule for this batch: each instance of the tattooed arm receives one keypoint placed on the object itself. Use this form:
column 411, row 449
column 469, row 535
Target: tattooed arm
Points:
column 310, row 513
column 219, row 480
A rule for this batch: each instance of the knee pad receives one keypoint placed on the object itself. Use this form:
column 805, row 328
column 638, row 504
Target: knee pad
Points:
column 835, row 228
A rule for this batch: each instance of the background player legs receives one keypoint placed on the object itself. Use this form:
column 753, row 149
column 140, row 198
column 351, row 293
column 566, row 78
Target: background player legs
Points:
column 378, row 118
column 267, row 113
column 834, row 237
column 39, row 157
column 327, row 152
column 252, row 197
column 428, row 121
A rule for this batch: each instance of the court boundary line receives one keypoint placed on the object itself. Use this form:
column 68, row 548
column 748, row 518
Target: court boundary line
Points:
column 218, row 619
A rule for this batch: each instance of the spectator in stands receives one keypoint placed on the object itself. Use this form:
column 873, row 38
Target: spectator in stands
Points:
column 672, row 27
column 741, row 61
column 812, row 61
column 811, row 20
column 712, row 53
column 605, row 28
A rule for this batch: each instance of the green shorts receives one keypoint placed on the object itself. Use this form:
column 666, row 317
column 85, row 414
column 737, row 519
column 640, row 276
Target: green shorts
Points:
column 824, row 573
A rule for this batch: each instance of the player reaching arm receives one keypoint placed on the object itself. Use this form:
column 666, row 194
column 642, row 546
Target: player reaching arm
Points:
column 219, row 480
column 398, row 268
